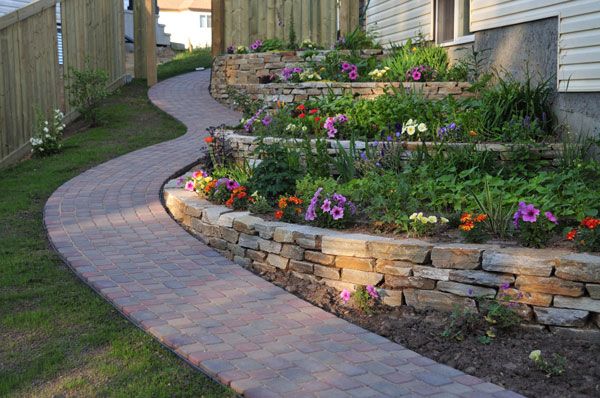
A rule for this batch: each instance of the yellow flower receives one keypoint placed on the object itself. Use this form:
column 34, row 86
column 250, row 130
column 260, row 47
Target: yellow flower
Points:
column 432, row 219
column 444, row 220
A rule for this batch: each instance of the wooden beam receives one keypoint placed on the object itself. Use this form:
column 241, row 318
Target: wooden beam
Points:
column 139, row 57
column 218, row 27
column 150, row 43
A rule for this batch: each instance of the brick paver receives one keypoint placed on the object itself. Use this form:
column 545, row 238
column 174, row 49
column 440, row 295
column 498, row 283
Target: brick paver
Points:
column 110, row 227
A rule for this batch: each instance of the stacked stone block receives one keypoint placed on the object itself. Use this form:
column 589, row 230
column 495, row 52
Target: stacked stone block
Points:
column 557, row 288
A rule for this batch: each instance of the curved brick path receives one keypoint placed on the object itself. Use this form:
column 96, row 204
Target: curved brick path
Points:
column 109, row 225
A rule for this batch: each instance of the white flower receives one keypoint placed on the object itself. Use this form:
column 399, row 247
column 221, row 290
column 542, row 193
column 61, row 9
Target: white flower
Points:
column 413, row 216
column 46, row 129
column 48, row 136
column 444, row 220
column 432, row 219
column 422, row 127
column 304, row 128
column 410, row 122
column 410, row 130
column 46, row 122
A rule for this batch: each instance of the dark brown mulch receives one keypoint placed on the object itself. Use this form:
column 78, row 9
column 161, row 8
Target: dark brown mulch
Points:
column 505, row 361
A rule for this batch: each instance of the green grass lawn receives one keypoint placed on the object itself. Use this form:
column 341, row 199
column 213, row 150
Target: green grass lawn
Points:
column 57, row 337
column 184, row 62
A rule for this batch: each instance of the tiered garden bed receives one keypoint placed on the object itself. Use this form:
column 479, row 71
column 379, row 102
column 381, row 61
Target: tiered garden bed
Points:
column 248, row 73
column 555, row 288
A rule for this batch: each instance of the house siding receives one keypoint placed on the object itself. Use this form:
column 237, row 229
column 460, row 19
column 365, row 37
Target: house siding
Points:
column 395, row 21
column 578, row 34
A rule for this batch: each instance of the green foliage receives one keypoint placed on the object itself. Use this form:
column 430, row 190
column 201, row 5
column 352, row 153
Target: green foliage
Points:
column 241, row 173
column 415, row 53
column 517, row 111
column 536, row 234
column 499, row 213
column 260, row 205
column 317, row 159
column 463, row 322
column 87, row 87
column 277, row 173
column 292, row 38
column 363, row 299
column 306, row 187
column 47, row 135
column 273, row 45
column 243, row 102
column 358, row 39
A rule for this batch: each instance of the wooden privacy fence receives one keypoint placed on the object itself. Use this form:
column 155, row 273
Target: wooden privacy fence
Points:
column 240, row 22
column 31, row 78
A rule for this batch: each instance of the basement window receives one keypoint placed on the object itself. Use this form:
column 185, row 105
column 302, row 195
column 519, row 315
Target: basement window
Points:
column 452, row 22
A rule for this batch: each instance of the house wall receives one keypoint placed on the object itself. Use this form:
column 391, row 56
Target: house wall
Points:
column 398, row 20
column 509, row 49
column 184, row 27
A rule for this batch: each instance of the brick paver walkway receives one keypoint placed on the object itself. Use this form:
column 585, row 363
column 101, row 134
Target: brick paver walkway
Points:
column 109, row 225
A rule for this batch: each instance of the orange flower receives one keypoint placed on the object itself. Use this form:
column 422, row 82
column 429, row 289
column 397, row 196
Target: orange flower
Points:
column 209, row 139
column 282, row 204
column 278, row 214
column 313, row 111
column 571, row 234
column 295, row 200
column 473, row 133
column 481, row 218
column 241, row 195
column 229, row 202
column 467, row 226
column 210, row 186
column 465, row 217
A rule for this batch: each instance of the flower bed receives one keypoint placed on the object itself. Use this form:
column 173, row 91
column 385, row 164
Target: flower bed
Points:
column 555, row 288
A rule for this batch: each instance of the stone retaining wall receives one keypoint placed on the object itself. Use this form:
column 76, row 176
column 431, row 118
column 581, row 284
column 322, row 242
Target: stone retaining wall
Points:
column 243, row 72
column 560, row 289
column 243, row 147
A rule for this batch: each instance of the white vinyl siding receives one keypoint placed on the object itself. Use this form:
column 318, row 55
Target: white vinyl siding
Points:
column 395, row 21
column 578, row 30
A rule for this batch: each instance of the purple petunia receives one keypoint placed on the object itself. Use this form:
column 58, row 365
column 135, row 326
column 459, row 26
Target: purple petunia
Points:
column 416, row 75
column 530, row 214
column 326, row 207
column 346, row 67
column 337, row 213
column 372, row 291
column 340, row 199
column 551, row 217
column 266, row 121
column 256, row 45
column 353, row 75
column 232, row 184
column 345, row 295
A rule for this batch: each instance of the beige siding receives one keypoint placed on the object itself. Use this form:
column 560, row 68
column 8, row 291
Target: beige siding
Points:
column 578, row 29
column 395, row 21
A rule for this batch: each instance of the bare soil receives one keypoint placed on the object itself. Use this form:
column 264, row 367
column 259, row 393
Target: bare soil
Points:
column 505, row 361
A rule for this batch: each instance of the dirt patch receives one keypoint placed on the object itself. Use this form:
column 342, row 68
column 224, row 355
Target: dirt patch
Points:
column 504, row 362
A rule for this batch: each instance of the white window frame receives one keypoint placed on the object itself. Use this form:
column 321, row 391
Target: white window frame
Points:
column 457, row 39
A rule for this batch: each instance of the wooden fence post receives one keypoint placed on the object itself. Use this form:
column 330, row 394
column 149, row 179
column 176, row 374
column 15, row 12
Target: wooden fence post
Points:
column 150, row 43
column 218, row 26
column 144, row 22
column 349, row 16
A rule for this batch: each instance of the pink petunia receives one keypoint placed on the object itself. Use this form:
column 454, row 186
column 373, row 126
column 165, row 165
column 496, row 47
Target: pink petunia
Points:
column 189, row 186
column 353, row 75
column 345, row 295
column 346, row 67
column 416, row 75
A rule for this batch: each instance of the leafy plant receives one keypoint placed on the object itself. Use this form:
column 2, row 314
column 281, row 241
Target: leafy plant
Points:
column 277, row 172
column 260, row 205
column 464, row 321
column 551, row 367
column 414, row 53
column 87, row 87
column 47, row 136
column 243, row 102
column 358, row 39
column 498, row 213
column 533, row 229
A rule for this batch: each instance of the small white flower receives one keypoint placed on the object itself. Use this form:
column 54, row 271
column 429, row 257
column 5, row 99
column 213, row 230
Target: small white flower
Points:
column 304, row 128
column 444, row 220
column 410, row 122
column 46, row 129
column 410, row 130
column 432, row 219
column 46, row 122
column 422, row 127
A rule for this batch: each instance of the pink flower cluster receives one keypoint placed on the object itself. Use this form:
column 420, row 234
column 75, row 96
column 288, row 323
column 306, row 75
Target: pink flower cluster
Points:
column 334, row 207
column 419, row 73
column 330, row 123
column 528, row 213
column 351, row 70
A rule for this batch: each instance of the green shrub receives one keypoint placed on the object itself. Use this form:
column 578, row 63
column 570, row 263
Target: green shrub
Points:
column 358, row 39
column 277, row 172
column 415, row 53
column 87, row 87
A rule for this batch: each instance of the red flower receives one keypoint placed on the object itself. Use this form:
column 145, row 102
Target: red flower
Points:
column 571, row 234
column 302, row 115
column 317, row 119
column 313, row 111
column 590, row 223
column 278, row 214
column 209, row 140
column 300, row 108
